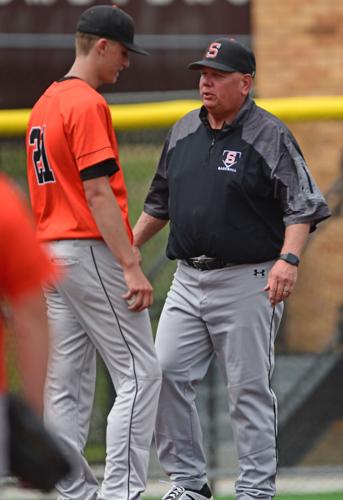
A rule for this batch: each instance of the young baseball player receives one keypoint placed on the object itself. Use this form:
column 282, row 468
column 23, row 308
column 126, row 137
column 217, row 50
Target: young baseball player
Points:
column 80, row 203
column 241, row 201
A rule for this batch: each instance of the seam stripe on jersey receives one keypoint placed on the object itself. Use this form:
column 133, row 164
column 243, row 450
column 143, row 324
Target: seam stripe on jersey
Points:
column 271, row 330
column 133, row 366
column 96, row 151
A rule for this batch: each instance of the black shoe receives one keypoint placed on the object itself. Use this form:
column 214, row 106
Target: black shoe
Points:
column 181, row 493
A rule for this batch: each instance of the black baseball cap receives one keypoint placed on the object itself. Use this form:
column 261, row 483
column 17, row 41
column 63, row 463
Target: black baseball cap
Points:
column 226, row 54
column 107, row 21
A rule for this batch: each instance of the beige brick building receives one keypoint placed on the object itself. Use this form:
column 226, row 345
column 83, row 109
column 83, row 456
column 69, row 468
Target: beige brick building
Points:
column 299, row 50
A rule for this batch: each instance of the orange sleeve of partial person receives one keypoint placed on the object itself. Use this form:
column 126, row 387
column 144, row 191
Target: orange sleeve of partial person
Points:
column 24, row 265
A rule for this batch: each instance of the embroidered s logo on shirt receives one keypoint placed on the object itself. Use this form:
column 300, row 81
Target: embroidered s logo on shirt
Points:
column 230, row 160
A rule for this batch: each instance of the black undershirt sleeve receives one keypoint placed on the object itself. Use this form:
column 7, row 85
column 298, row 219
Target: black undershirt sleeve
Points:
column 101, row 169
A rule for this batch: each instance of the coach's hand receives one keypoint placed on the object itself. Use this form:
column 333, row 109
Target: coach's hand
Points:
column 281, row 281
column 140, row 292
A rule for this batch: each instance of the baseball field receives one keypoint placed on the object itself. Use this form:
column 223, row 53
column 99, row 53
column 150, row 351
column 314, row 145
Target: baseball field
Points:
column 139, row 163
column 322, row 496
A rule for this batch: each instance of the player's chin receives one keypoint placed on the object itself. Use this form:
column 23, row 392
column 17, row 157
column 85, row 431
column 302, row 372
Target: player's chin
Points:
column 112, row 78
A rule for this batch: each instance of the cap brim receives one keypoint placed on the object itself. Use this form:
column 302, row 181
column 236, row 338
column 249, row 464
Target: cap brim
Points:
column 211, row 64
column 132, row 47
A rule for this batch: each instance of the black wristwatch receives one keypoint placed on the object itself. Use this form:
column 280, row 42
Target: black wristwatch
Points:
column 290, row 258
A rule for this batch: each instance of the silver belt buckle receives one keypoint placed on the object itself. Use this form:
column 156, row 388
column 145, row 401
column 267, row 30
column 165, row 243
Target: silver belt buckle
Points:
column 197, row 263
column 201, row 263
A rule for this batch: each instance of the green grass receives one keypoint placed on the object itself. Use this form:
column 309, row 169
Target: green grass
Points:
column 308, row 496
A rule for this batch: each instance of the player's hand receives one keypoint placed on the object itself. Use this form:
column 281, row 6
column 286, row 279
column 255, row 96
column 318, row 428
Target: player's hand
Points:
column 281, row 280
column 140, row 292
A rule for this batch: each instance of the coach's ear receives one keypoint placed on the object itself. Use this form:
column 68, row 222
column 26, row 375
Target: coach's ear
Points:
column 246, row 84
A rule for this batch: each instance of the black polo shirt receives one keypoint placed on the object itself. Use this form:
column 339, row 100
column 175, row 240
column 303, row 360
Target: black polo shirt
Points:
column 230, row 193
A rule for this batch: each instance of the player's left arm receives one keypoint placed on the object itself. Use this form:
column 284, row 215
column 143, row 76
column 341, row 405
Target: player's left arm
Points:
column 283, row 276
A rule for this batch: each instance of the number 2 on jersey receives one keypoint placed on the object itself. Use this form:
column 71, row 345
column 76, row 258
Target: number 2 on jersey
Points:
column 44, row 172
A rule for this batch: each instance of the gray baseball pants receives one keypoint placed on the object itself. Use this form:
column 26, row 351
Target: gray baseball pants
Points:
column 226, row 313
column 87, row 313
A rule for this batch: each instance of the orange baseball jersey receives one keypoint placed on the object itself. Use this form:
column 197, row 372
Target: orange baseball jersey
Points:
column 70, row 129
column 24, row 266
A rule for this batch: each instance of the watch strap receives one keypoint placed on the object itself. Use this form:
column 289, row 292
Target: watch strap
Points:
column 291, row 258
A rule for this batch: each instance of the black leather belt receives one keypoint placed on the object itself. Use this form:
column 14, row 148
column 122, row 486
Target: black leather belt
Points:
column 207, row 264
